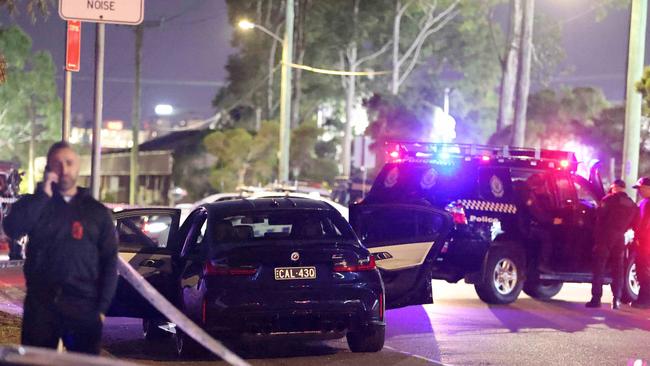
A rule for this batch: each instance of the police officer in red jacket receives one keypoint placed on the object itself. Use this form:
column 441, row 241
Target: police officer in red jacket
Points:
column 70, row 266
column 616, row 214
column 642, row 235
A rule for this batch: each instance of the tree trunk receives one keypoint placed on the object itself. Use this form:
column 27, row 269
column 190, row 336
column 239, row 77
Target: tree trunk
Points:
column 350, row 101
column 269, row 86
column 509, row 67
column 258, row 119
column 394, row 89
column 258, row 12
column 31, row 178
column 523, row 81
column 299, row 50
column 350, row 98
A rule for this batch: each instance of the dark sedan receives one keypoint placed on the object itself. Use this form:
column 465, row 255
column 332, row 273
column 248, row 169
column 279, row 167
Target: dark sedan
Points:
column 262, row 267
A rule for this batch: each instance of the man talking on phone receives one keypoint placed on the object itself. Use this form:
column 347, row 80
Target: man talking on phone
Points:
column 71, row 258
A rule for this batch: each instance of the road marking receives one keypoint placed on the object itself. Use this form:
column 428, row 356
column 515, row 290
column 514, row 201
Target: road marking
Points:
column 416, row 356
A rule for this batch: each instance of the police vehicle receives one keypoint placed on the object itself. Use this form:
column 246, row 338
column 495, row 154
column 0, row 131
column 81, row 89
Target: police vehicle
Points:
column 454, row 212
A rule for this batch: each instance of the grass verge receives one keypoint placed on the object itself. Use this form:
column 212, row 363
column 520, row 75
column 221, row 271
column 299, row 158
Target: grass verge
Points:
column 9, row 328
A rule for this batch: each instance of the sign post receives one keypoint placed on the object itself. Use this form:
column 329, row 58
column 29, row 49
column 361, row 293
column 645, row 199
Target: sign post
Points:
column 129, row 12
column 72, row 64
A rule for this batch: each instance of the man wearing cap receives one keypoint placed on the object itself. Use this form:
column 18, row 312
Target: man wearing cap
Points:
column 642, row 235
column 616, row 214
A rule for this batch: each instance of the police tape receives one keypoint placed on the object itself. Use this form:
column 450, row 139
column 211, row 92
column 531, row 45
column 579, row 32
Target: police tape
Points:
column 175, row 316
column 11, row 263
column 23, row 355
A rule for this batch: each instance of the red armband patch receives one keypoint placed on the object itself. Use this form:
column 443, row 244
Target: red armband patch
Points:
column 77, row 230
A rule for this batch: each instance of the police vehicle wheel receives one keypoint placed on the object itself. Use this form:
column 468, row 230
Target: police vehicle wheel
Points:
column 186, row 346
column 151, row 330
column 631, row 285
column 367, row 339
column 502, row 277
column 542, row 290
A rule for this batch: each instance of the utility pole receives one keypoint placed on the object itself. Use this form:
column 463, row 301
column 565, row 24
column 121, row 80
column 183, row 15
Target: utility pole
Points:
column 633, row 100
column 67, row 102
column 135, row 120
column 509, row 66
column 285, row 96
column 523, row 80
column 352, row 53
column 95, row 167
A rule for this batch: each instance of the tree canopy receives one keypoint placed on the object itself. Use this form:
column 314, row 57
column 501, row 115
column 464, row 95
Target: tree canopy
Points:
column 28, row 95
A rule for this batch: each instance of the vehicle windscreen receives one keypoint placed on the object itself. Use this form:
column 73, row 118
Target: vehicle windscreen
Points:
column 404, row 182
column 296, row 226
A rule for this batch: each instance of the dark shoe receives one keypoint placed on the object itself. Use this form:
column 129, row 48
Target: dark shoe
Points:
column 593, row 303
column 616, row 304
column 640, row 305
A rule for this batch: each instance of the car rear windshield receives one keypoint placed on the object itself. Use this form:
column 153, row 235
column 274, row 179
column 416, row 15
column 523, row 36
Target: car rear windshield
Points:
column 295, row 225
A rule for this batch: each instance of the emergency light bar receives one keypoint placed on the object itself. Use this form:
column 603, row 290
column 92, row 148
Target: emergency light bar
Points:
column 400, row 151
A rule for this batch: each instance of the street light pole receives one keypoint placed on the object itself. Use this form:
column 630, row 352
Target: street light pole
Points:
column 285, row 96
column 95, row 166
column 636, row 54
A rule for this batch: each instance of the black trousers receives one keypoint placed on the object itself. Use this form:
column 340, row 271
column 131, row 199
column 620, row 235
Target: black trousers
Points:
column 643, row 275
column 45, row 322
column 615, row 257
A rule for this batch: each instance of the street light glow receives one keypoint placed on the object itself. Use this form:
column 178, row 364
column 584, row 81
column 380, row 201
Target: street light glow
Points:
column 246, row 24
column 164, row 110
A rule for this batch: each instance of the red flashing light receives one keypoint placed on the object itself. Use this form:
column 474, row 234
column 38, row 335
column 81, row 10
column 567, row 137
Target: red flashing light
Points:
column 485, row 158
column 212, row 270
column 367, row 264
column 394, row 154
column 564, row 164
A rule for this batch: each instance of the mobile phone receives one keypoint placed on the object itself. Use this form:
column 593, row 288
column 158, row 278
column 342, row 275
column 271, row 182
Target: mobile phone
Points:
column 54, row 185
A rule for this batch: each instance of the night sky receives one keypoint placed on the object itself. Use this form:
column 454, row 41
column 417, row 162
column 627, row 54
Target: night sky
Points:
column 186, row 56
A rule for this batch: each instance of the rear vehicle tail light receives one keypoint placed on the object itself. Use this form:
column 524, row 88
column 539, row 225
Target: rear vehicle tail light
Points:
column 457, row 213
column 223, row 270
column 564, row 164
column 363, row 264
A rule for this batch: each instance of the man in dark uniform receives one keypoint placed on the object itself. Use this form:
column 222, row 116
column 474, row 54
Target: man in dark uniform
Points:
column 642, row 236
column 70, row 267
column 616, row 215
column 538, row 219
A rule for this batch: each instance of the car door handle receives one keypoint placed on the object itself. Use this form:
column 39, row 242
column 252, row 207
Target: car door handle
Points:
column 154, row 263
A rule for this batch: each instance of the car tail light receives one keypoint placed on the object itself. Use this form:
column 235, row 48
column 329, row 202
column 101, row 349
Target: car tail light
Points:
column 223, row 270
column 564, row 164
column 457, row 213
column 363, row 264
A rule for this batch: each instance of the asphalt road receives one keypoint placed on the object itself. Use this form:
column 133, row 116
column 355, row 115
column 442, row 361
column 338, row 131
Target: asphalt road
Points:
column 458, row 329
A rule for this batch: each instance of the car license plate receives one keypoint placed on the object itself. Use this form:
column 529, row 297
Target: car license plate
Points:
column 295, row 273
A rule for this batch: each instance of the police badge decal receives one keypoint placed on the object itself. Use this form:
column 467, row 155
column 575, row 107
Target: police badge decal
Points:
column 496, row 186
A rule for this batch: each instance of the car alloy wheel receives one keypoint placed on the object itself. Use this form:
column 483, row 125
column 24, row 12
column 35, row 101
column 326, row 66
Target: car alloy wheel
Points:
column 633, row 280
column 505, row 276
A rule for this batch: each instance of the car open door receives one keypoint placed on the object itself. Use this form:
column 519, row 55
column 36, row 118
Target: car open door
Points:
column 402, row 238
column 148, row 240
